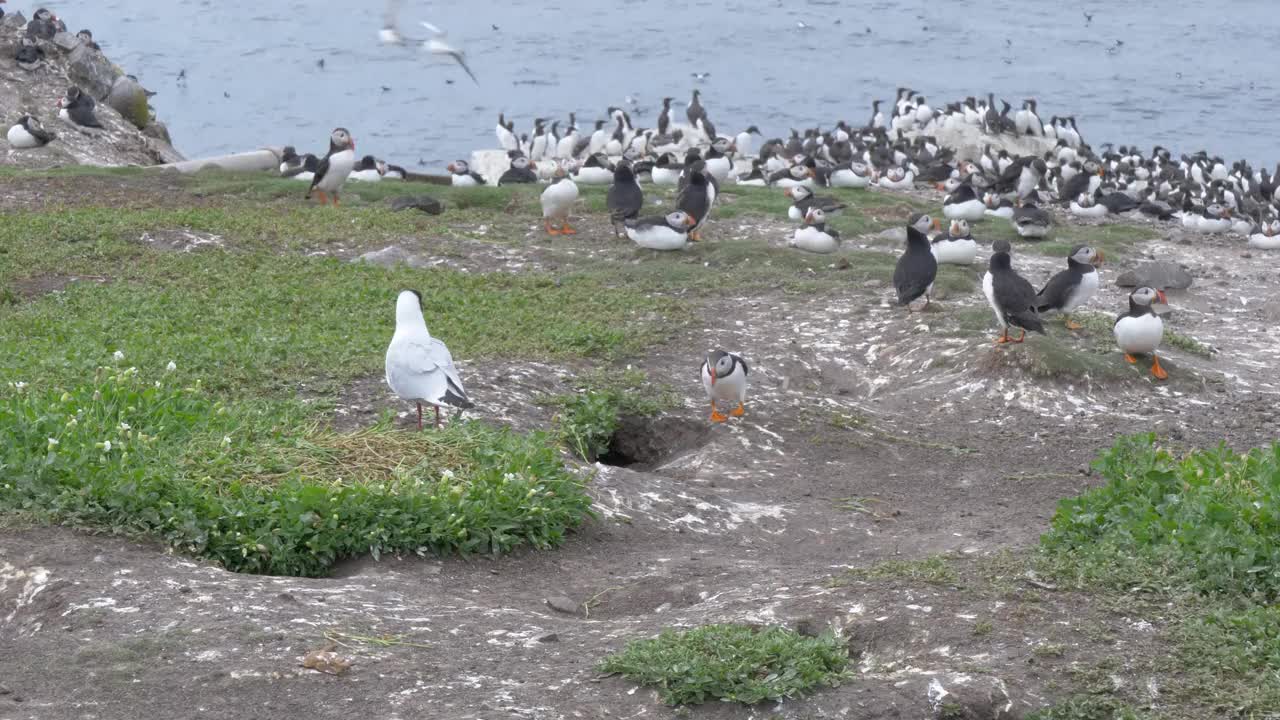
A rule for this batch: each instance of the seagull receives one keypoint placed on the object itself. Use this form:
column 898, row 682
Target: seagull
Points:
column 420, row 367
column 437, row 44
column 1088, row 17
column 700, row 76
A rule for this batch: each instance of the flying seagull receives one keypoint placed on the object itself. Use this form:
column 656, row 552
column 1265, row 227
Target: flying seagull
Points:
column 437, row 44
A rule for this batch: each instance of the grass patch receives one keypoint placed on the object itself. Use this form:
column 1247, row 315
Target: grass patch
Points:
column 1087, row 708
column 732, row 663
column 253, row 488
column 934, row 570
column 588, row 418
column 1116, row 240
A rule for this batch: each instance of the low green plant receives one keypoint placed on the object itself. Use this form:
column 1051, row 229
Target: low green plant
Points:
column 1208, row 521
column 1086, row 708
column 254, row 487
column 732, row 663
column 934, row 570
column 589, row 417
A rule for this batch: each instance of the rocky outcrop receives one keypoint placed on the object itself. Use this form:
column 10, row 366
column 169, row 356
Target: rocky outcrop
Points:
column 131, row 138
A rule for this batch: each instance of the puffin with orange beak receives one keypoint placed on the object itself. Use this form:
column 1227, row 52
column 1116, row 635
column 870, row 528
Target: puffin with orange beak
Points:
column 1139, row 331
column 1072, row 287
column 332, row 171
column 724, row 377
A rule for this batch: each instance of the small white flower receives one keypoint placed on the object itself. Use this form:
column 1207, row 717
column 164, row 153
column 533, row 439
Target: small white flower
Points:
column 106, row 446
column 17, row 385
column 171, row 366
column 118, row 355
column 124, row 426
column 447, row 474
column 157, row 383
column 52, row 443
column 226, row 440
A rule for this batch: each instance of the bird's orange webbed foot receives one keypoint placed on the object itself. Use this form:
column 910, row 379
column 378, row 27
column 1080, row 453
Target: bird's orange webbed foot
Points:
column 566, row 229
column 550, row 230
column 321, row 197
column 1021, row 338
column 1073, row 325
column 1130, row 359
column 739, row 411
column 716, row 415
column 1156, row 371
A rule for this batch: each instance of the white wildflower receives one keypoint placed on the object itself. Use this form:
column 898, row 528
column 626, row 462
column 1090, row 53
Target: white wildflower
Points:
column 118, row 355
column 446, row 474
column 53, row 443
column 124, row 426
column 17, row 385
column 226, row 440
column 106, row 446
column 171, row 366
column 157, row 383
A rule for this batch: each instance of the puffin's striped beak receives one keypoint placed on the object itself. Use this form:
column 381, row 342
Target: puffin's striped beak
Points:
column 712, row 372
column 690, row 220
column 1099, row 259
column 1163, row 300
column 937, row 225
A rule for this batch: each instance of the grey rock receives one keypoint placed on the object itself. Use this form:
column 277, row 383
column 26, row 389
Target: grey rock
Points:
column 390, row 257
column 130, row 100
column 562, row 604
column 157, row 130
column 1271, row 310
column 549, row 638
column 1159, row 275
column 896, row 234
column 425, row 203
column 13, row 21
column 65, row 41
column 92, row 71
column 982, row 699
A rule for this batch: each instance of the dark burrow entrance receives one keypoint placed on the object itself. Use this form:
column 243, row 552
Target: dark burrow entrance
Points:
column 643, row 443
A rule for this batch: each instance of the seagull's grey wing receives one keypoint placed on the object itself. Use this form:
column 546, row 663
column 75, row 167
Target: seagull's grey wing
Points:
column 432, row 28
column 458, row 56
column 443, row 359
column 414, row 372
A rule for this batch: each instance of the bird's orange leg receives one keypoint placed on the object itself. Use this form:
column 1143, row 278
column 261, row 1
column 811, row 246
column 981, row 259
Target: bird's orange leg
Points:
column 1130, row 359
column 320, row 195
column 1004, row 337
column 335, row 199
column 1156, row 370
column 550, row 230
column 1021, row 337
column 566, row 229
column 695, row 236
column 739, row 411
column 716, row 415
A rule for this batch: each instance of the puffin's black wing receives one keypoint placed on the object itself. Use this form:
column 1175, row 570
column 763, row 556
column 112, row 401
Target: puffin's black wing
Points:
column 321, row 170
column 624, row 201
column 1015, row 297
column 1056, row 292
column 915, row 270
column 738, row 358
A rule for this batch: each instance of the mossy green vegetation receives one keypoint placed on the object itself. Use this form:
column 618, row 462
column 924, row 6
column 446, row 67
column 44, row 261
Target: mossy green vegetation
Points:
column 732, row 663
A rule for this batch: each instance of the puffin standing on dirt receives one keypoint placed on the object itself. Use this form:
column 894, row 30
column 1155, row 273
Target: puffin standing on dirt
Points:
column 625, row 199
column 1010, row 295
column 77, row 108
column 1072, row 287
column 917, row 267
column 332, row 171
column 1139, row 331
column 419, row 367
column 724, row 377
column 28, row 133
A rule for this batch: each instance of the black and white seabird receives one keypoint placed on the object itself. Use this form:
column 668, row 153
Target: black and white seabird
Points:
column 916, row 269
column 694, row 111
column 1010, row 295
column 724, row 377
column 29, row 56
column 519, row 172
column 696, row 198
column 1073, row 287
column 28, row 133
column 332, row 170
column 662, row 232
column 1139, row 331
column 463, row 176
column 802, row 198
column 1030, row 221
column 625, row 199
column 77, row 108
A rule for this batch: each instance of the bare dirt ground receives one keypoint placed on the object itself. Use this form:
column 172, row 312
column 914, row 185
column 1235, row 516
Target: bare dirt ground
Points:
column 871, row 436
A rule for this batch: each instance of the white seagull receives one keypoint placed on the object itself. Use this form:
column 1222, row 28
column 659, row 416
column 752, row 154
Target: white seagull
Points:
column 436, row 44
column 419, row 367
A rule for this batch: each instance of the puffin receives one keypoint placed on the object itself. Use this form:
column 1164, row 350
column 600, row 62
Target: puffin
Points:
column 462, row 176
column 77, row 108
column 1265, row 236
column 368, row 169
column 557, row 200
column 1086, row 205
column 298, row 167
column 86, row 38
column 1010, row 295
column 666, row 171
column 624, row 199
column 29, row 55
column 718, row 163
column 916, row 269
column 963, row 204
column 1139, row 331
column 505, row 132
column 957, row 247
column 851, row 174
column 419, row 368
column 898, row 179
column 724, row 377
column 518, row 173
column 754, row 178
column 43, row 25
column 28, row 133
column 332, row 171
column 664, row 232
column 742, row 143
column 1030, row 221
column 594, row 171
column 1073, row 287
column 813, row 236
column 802, row 198
column 697, row 198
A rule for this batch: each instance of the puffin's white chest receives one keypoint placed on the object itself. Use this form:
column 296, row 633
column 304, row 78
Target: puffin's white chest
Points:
column 969, row 210
column 340, row 165
column 658, row 237
column 463, row 180
column 19, row 138
column 849, row 178
column 731, row 389
column 1094, row 211
column 1140, row 334
column 594, row 176
column 665, row 176
column 961, row 251
column 1262, row 241
column 558, row 198
column 1082, row 292
column 814, row 240
column 988, row 289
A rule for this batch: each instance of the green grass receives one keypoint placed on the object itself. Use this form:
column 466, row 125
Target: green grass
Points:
column 1115, row 240
column 1201, row 531
column 732, row 663
column 934, row 570
column 588, row 418
column 1086, row 708
column 254, row 486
